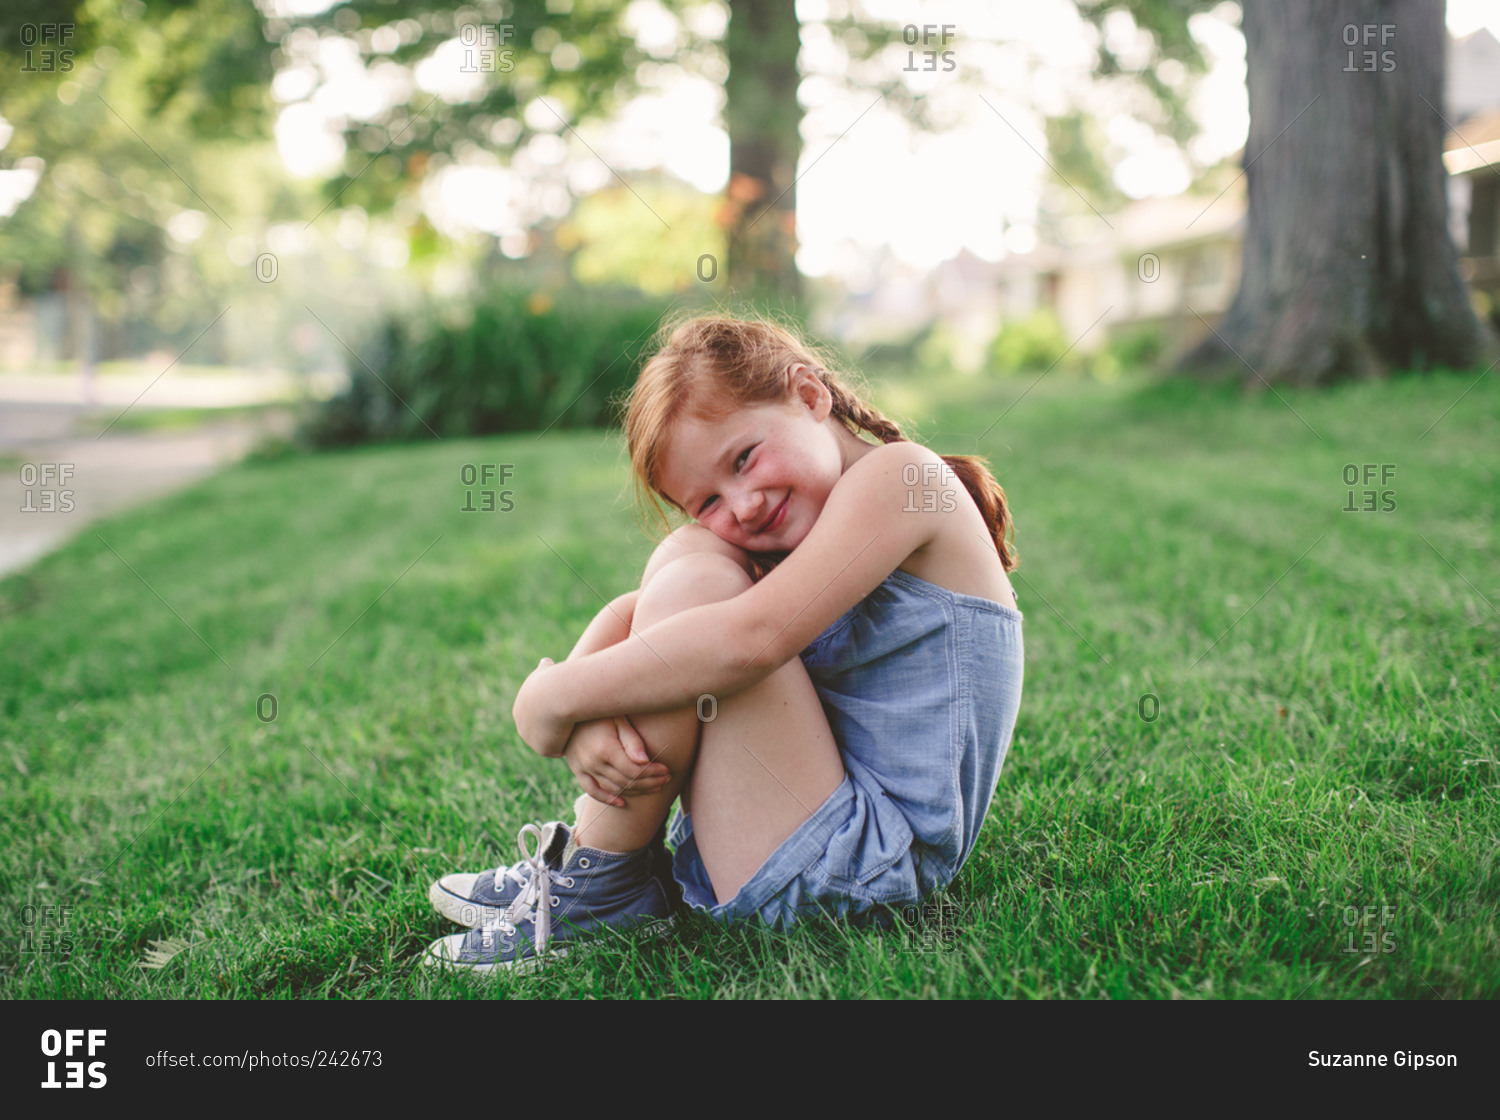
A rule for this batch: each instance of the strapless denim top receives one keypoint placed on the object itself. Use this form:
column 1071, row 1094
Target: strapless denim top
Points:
column 922, row 686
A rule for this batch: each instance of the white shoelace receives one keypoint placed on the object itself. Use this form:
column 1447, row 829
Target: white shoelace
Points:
column 534, row 903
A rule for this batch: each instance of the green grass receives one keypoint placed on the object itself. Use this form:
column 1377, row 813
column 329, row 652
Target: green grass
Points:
column 1325, row 745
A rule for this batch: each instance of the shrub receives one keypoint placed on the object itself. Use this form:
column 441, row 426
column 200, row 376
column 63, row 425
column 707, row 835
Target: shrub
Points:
column 1030, row 344
column 1138, row 347
column 511, row 361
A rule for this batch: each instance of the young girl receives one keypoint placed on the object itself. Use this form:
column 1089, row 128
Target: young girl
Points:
column 825, row 666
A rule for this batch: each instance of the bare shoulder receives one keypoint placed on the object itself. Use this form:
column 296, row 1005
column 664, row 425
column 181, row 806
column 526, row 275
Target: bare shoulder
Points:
column 960, row 554
column 895, row 456
column 910, row 468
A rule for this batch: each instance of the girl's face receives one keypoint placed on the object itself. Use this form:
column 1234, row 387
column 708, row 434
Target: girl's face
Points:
column 758, row 477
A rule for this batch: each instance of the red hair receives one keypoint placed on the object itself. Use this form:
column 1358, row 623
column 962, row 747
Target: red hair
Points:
column 710, row 365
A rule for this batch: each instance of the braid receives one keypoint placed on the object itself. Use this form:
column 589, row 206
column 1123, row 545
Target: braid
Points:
column 970, row 469
column 858, row 415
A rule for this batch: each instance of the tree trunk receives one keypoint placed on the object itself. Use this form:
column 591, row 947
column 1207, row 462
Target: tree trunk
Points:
column 1348, row 268
column 763, row 118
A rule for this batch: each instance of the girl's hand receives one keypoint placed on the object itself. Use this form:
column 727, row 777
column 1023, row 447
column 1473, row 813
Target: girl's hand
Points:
column 610, row 761
column 539, row 729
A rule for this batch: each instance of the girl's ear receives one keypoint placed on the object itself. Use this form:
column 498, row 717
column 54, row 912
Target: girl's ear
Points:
column 810, row 391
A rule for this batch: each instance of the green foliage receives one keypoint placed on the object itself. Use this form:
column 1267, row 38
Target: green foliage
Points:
column 513, row 361
column 1081, row 158
column 651, row 236
column 1139, row 347
column 1038, row 342
column 1077, row 147
column 1031, row 344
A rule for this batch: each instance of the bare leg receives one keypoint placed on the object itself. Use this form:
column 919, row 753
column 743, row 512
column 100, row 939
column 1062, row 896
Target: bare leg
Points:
column 753, row 770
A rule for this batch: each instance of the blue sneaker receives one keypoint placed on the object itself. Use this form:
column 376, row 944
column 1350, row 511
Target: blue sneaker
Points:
column 566, row 892
column 469, row 898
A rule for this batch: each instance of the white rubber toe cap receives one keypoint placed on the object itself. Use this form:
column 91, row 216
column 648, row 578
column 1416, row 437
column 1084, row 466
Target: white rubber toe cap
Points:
column 450, row 897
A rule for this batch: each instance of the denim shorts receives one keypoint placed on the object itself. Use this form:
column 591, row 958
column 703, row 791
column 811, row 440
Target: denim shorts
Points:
column 922, row 687
column 825, row 867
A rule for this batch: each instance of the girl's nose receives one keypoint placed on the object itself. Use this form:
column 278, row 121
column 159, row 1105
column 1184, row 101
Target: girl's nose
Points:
column 749, row 508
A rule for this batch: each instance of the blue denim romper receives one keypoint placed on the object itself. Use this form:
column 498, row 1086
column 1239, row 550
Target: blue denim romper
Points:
column 921, row 686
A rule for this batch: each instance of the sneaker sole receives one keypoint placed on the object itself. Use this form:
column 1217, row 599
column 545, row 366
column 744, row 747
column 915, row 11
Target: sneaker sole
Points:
column 656, row 928
column 521, row 967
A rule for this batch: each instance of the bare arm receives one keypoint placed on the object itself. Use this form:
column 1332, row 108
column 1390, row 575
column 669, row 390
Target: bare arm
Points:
column 862, row 535
column 609, row 627
column 608, row 747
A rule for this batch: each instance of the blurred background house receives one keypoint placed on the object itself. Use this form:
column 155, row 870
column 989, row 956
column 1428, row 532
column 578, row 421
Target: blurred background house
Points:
column 1471, row 154
column 1156, row 262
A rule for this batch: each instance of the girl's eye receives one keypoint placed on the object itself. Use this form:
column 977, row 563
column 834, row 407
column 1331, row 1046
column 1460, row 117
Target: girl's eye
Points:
column 738, row 463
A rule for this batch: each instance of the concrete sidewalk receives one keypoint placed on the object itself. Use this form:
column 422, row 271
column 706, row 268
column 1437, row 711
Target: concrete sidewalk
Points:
column 58, row 473
column 169, row 389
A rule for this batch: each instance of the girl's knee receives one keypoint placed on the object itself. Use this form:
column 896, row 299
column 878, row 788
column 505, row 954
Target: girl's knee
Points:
column 693, row 540
column 690, row 580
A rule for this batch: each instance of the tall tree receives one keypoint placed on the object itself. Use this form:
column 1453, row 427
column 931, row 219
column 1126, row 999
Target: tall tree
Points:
column 1348, row 268
column 762, row 115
